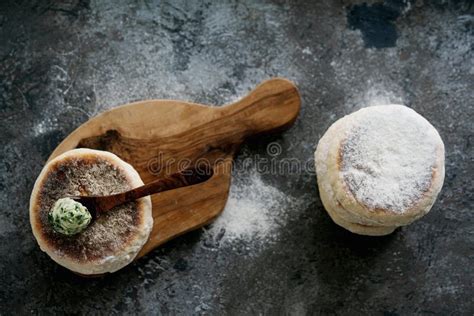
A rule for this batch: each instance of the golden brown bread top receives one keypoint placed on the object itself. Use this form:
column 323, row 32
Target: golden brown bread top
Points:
column 87, row 175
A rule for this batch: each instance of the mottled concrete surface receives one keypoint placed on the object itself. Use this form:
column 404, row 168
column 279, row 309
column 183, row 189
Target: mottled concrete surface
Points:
column 61, row 63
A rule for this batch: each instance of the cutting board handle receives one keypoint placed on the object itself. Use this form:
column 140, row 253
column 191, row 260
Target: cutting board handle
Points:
column 271, row 106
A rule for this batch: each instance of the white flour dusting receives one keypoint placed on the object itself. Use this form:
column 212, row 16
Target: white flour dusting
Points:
column 378, row 93
column 44, row 126
column 388, row 156
column 254, row 211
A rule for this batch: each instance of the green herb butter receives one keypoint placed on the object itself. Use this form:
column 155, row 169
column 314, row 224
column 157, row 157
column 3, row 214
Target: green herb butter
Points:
column 69, row 217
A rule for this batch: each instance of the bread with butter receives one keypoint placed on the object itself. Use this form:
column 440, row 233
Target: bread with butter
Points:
column 111, row 241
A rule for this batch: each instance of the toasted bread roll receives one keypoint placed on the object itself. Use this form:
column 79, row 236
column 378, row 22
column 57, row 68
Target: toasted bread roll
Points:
column 108, row 243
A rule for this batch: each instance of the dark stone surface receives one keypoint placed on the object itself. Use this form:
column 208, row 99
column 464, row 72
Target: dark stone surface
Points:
column 376, row 23
column 63, row 62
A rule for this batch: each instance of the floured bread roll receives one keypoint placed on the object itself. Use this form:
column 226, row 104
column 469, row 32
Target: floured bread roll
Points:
column 110, row 242
column 379, row 168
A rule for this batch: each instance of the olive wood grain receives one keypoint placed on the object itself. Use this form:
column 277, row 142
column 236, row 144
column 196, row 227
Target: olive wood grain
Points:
column 162, row 137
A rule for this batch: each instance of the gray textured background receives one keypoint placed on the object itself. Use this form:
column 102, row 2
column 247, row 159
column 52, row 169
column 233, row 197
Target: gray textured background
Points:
column 61, row 63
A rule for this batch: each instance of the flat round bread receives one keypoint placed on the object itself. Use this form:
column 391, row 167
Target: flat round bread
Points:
column 354, row 227
column 111, row 241
column 382, row 166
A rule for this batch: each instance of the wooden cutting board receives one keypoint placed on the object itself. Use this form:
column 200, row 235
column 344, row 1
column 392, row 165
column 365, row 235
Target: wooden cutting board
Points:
column 160, row 137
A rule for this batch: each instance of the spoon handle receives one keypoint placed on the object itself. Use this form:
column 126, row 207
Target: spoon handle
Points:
column 184, row 178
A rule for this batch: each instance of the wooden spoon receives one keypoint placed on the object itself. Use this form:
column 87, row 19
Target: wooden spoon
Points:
column 161, row 137
column 97, row 205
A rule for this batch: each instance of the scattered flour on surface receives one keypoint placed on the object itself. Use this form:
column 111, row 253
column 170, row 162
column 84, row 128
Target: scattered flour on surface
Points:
column 44, row 126
column 375, row 93
column 254, row 211
column 307, row 51
column 378, row 93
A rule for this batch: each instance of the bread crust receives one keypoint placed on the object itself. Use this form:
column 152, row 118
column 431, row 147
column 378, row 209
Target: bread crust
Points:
column 342, row 204
column 84, row 262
